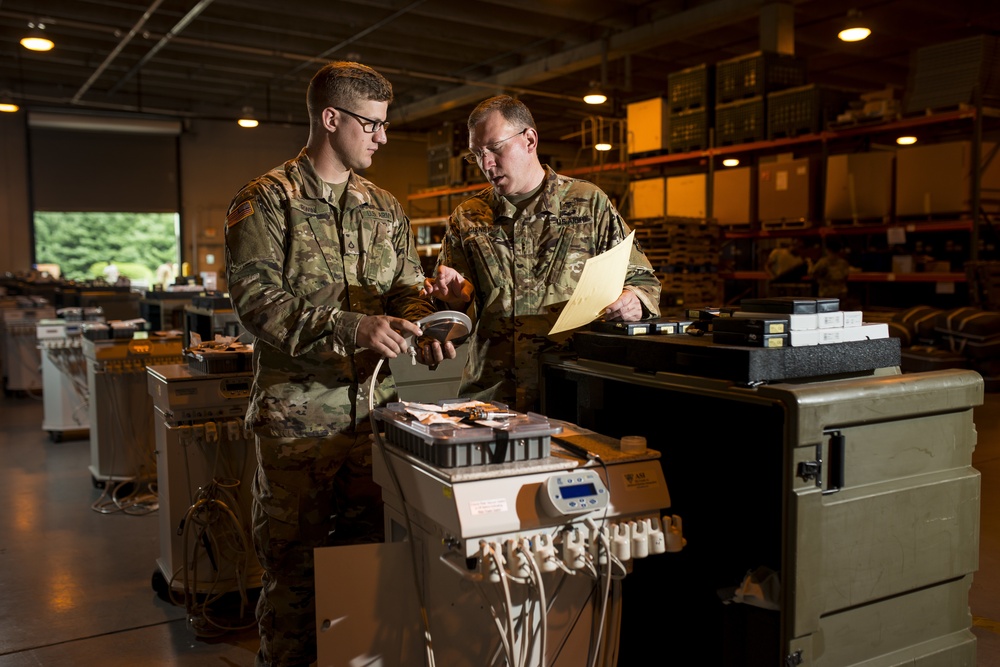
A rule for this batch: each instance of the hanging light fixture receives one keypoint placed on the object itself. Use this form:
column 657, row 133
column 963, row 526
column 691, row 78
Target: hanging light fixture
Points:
column 247, row 119
column 36, row 40
column 595, row 95
column 855, row 29
column 7, row 104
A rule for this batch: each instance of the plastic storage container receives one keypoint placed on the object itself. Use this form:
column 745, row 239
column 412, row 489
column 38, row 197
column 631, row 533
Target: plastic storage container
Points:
column 526, row 437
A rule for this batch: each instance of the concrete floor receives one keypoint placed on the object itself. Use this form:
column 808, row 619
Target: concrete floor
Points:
column 75, row 584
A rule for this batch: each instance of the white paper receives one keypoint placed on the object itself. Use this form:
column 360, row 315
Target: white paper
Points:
column 600, row 285
column 895, row 236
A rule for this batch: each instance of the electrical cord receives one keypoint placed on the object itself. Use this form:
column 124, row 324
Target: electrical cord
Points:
column 540, row 585
column 425, row 620
column 214, row 506
column 135, row 502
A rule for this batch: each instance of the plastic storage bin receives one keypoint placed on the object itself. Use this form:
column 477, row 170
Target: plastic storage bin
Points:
column 526, row 437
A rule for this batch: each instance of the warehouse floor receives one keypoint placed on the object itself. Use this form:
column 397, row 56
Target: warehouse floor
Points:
column 76, row 584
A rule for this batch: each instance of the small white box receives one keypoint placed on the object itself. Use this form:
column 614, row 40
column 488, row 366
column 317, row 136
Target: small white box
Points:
column 803, row 337
column 834, row 320
column 902, row 263
column 834, row 335
column 50, row 331
column 866, row 332
column 853, row 318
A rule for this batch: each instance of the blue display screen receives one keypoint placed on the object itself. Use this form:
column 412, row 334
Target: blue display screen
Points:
column 578, row 490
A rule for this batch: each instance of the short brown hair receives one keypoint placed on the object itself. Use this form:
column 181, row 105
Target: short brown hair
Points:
column 513, row 111
column 343, row 84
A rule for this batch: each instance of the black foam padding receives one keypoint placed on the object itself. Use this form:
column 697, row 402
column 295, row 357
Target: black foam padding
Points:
column 699, row 356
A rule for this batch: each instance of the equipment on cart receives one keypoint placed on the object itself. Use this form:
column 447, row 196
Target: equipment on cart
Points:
column 205, row 467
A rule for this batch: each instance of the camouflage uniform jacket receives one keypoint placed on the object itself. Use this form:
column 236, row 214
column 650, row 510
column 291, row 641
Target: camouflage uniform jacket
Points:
column 525, row 268
column 300, row 284
column 830, row 273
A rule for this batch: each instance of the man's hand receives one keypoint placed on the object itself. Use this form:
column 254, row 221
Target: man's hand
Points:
column 627, row 308
column 449, row 286
column 431, row 353
column 385, row 335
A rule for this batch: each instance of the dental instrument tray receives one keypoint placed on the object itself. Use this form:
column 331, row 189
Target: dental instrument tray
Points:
column 457, row 432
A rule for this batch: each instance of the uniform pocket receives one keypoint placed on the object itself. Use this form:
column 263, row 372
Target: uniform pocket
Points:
column 574, row 247
column 380, row 258
column 486, row 261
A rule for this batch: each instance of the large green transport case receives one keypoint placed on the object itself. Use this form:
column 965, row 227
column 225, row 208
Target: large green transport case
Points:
column 859, row 492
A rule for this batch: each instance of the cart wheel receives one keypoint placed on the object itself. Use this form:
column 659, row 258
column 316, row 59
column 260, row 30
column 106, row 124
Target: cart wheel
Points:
column 98, row 483
column 160, row 586
column 55, row 436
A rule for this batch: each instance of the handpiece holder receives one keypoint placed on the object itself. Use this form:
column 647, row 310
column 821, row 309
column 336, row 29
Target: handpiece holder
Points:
column 446, row 326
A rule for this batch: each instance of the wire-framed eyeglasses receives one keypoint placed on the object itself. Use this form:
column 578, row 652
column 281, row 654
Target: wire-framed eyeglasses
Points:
column 368, row 125
column 496, row 148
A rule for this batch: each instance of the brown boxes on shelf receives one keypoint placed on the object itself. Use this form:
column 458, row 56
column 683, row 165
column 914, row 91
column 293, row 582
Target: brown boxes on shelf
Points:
column 786, row 194
column 647, row 126
column 859, row 188
column 686, row 196
column 734, row 197
column 649, row 198
column 936, row 179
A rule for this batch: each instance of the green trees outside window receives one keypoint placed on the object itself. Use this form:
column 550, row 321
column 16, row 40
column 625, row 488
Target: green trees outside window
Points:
column 83, row 244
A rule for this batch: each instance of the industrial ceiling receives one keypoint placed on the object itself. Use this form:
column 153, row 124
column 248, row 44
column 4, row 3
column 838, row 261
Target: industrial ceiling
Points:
column 217, row 58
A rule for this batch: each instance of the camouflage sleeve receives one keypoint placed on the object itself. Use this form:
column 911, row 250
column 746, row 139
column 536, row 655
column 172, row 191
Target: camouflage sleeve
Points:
column 257, row 230
column 403, row 299
column 453, row 252
column 639, row 278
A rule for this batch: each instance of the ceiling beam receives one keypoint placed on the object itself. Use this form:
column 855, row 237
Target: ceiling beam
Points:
column 683, row 25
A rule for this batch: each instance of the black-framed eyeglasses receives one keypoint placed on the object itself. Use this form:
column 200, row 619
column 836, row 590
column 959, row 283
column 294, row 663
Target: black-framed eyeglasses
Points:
column 368, row 125
column 496, row 148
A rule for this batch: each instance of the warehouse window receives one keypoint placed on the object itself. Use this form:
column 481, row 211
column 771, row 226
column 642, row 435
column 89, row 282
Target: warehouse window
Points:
column 142, row 247
column 105, row 189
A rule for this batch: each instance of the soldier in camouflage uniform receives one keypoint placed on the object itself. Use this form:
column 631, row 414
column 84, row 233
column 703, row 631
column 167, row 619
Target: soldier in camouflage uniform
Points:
column 323, row 272
column 515, row 251
column 831, row 271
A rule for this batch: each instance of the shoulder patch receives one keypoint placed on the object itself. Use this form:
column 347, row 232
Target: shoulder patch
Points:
column 244, row 210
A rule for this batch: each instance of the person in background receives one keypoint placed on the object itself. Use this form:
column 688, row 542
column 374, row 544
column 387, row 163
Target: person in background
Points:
column 514, row 252
column 111, row 272
column 786, row 263
column 323, row 272
column 830, row 272
column 165, row 275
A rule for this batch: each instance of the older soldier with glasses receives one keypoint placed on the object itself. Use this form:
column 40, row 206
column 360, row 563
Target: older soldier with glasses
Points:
column 324, row 273
column 514, row 252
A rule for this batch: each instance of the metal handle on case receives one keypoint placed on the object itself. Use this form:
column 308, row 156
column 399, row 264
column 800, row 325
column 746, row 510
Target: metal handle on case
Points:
column 836, row 462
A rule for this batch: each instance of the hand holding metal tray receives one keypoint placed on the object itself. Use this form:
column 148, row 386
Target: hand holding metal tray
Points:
column 446, row 326
column 419, row 382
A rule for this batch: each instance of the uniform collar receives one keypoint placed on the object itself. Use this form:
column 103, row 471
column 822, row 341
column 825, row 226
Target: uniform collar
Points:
column 544, row 201
column 315, row 187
